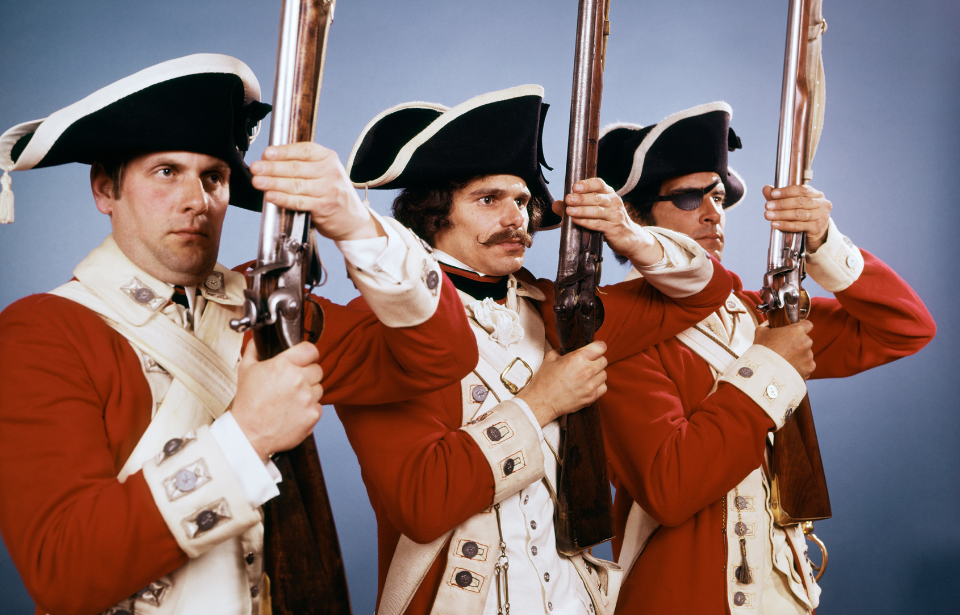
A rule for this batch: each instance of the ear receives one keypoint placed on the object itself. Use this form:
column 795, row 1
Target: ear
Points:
column 102, row 187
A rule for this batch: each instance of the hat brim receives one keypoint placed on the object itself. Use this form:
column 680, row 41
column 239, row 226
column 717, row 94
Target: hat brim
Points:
column 634, row 158
column 205, row 103
column 417, row 144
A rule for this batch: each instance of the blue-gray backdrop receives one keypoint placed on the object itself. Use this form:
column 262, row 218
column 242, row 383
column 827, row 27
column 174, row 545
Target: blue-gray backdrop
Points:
column 888, row 160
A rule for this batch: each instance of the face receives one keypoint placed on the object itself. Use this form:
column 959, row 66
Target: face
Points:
column 704, row 224
column 488, row 224
column 170, row 213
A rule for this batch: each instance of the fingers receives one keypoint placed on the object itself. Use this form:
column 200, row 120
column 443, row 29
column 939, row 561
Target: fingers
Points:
column 302, row 355
column 593, row 351
column 806, row 325
column 593, row 184
column 304, row 150
column 591, row 201
column 771, row 193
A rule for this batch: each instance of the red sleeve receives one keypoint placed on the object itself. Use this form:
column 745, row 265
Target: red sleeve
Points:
column 73, row 403
column 878, row 319
column 428, row 476
column 638, row 316
column 675, row 448
column 360, row 355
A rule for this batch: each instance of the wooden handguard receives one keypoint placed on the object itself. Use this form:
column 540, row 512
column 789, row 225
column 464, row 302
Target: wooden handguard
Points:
column 799, row 485
column 584, row 507
column 302, row 558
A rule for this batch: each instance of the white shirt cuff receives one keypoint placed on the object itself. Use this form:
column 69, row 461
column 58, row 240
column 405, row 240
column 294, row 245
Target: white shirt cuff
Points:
column 380, row 257
column 257, row 479
column 533, row 419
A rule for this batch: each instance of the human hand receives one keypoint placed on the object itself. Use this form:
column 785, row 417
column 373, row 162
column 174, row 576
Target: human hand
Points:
column 309, row 177
column 278, row 400
column 567, row 383
column 792, row 342
column 799, row 209
column 594, row 205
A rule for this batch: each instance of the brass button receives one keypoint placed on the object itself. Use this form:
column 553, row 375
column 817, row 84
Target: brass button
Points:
column 740, row 528
column 250, row 558
column 533, row 525
column 508, row 466
column 185, row 481
column 464, row 578
column 213, row 282
column 433, row 279
column 739, row 598
column 745, row 372
column 494, row 434
column 143, row 295
column 470, row 549
column 772, row 391
column 533, row 550
column 741, row 502
column 172, row 446
column 206, row 520
column 546, row 577
column 479, row 394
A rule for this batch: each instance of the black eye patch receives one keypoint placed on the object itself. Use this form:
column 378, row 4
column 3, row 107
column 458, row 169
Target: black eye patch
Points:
column 688, row 200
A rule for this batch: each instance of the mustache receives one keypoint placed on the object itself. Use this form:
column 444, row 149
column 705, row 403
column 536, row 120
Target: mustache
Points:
column 508, row 235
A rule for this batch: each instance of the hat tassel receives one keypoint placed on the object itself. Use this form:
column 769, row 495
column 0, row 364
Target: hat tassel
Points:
column 6, row 199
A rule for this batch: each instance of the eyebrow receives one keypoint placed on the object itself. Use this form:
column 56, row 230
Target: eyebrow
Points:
column 494, row 192
column 719, row 188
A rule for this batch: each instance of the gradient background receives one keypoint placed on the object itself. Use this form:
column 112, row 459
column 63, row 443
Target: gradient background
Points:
column 888, row 161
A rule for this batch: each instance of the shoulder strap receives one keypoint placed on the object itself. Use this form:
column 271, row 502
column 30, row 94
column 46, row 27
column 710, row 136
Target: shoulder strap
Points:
column 717, row 354
column 201, row 370
column 640, row 529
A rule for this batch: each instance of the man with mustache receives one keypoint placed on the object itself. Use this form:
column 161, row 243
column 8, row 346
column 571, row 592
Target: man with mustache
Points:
column 135, row 441
column 462, row 480
column 688, row 433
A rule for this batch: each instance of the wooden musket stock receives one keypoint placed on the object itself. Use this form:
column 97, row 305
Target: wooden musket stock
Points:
column 584, row 507
column 799, row 486
column 302, row 559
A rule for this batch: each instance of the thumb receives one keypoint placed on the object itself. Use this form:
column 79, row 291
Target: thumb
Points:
column 249, row 357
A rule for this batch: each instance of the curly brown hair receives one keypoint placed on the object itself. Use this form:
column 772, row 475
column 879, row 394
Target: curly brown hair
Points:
column 426, row 211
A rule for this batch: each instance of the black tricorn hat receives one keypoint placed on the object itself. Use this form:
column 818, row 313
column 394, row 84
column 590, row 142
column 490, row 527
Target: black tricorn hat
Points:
column 635, row 160
column 204, row 103
column 419, row 144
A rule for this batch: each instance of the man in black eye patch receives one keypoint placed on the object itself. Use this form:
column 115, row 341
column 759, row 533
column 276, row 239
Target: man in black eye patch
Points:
column 687, row 427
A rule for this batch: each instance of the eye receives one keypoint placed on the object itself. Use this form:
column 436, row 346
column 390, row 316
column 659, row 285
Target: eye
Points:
column 486, row 200
column 166, row 172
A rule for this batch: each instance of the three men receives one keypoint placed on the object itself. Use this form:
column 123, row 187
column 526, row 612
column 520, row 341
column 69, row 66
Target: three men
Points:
column 134, row 438
column 462, row 480
column 689, row 425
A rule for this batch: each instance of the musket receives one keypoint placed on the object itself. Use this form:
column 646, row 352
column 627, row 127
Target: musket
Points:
column 302, row 563
column 584, row 504
column 798, row 484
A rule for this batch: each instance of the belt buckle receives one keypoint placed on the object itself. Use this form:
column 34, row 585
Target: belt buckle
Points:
column 510, row 386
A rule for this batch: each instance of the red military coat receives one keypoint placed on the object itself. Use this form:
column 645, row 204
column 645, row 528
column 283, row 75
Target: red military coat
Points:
column 676, row 449
column 426, row 476
column 74, row 403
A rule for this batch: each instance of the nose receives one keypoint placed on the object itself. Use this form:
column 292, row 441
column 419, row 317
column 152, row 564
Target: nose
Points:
column 512, row 216
column 195, row 197
column 710, row 211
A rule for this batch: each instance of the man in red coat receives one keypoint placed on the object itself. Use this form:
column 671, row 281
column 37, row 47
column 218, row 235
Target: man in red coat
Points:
column 134, row 439
column 689, row 427
column 462, row 480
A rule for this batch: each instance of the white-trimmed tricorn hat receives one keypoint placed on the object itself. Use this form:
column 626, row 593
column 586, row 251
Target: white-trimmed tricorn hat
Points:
column 205, row 103
column 635, row 160
column 418, row 144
